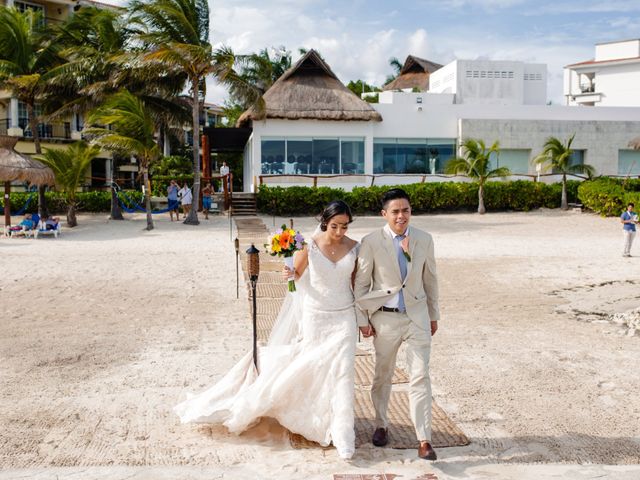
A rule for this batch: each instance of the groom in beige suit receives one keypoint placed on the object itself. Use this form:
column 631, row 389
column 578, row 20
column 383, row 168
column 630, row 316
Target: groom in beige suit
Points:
column 396, row 290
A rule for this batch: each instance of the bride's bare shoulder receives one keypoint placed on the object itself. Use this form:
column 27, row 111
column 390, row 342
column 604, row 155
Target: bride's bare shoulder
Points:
column 350, row 242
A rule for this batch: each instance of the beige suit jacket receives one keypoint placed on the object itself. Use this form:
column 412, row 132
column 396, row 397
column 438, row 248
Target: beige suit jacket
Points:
column 378, row 277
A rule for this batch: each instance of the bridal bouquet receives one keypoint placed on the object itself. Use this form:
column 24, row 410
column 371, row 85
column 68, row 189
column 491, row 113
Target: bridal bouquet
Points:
column 284, row 243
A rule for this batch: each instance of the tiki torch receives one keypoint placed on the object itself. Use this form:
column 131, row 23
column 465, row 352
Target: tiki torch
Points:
column 236, row 242
column 253, row 270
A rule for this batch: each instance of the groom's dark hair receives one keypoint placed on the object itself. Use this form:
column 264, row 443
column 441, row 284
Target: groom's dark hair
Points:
column 394, row 194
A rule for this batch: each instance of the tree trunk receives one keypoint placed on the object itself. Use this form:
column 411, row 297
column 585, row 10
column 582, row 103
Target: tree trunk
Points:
column 481, row 209
column 72, row 221
column 563, row 203
column 192, row 218
column 43, row 211
column 147, row 198
column 116, row 211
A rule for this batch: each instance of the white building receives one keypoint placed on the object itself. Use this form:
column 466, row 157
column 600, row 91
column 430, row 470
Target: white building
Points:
column 612, row 78
column 315, row 132
column 492, row 82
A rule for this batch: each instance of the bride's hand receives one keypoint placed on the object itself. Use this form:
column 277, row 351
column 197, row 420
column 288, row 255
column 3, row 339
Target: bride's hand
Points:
column 287, row 273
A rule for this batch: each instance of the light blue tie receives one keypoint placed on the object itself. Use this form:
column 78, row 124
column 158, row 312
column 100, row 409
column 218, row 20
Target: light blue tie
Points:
column 402, row 262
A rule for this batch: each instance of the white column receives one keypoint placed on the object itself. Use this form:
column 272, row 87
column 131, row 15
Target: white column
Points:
column 368, row 153
column 107, row 169
column 75, row 133
column 14, row 128
column 166, row 148
column 9, row 3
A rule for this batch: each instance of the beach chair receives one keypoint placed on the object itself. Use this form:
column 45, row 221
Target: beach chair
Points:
column 26, row 233
column 42, row 230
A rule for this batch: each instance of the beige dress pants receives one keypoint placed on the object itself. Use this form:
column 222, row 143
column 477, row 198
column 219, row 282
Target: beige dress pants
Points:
column 392, row 329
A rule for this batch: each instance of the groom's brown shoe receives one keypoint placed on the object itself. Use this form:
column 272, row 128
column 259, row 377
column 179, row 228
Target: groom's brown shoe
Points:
column 380, row 437
column 426, row 451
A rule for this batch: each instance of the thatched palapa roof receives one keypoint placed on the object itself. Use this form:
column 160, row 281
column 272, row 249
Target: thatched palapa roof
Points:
column 414, row 74
column 311, row 91
column 15, row 166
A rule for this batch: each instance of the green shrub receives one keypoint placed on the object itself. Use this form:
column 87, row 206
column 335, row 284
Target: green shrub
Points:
column 609, row 196
column 522, row 195
column 87, row 201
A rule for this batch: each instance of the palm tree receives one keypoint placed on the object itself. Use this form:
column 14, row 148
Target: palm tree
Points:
column 27, row 54
column 476, row 164
column 176, row 34
column 70, row 166
column 556, row 156
column 132, row 132
column 395, row 64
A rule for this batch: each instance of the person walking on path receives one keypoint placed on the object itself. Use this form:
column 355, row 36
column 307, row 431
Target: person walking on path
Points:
column 207, row 192
column 172, row 199
column 186, row 199
column 396, row 292
column 629, row 219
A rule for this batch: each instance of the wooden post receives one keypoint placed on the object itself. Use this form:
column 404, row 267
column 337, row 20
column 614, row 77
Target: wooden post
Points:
column 7, row 205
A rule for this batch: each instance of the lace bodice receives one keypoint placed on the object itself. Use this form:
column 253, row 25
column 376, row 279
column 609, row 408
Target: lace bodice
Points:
column 330, row 282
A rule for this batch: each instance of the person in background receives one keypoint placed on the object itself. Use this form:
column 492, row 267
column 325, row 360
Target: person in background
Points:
column 172, row 199
column 51, row 223
column 207, row 192
column 186, row 199
column 629, row 219
column 26, row 224
column 224, row 170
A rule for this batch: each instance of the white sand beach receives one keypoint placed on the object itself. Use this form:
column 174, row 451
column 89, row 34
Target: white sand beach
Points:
column 105, row 329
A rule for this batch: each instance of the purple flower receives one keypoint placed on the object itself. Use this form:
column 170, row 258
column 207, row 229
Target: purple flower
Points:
column 299, row 238
column 278, row 231
column 299, row 245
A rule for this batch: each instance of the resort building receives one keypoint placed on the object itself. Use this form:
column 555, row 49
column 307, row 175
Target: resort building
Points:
column 611, row 78
column 314, row 131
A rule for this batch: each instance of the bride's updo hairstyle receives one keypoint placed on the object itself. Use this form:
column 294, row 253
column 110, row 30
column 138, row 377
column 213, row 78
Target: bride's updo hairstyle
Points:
column 337, row 207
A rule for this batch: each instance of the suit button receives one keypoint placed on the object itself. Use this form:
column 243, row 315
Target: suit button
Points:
column 402, row 286
column 388, row 291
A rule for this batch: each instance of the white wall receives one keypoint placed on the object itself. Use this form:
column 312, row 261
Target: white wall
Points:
column 617, row 50
column 602, row 131
column 619, row 85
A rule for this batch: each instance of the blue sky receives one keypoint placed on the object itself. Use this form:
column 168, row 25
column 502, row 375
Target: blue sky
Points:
column 357, row 38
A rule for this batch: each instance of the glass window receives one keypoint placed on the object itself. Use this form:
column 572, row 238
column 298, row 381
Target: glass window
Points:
column 299, row 155
column 352, row 155
column 440, row 151
column 628, row 162
column 515, row 160
column 577, row 157
column 384, row 155
column 273, row 154
column 326, row 158
column 411, row 155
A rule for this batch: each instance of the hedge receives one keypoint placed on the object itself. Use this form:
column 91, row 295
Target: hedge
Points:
column 88, row 201
column 519, row 195
column 609, row 196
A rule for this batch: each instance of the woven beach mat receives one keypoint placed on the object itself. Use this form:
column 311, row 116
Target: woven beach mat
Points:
column 365, row 367
column 444, row 433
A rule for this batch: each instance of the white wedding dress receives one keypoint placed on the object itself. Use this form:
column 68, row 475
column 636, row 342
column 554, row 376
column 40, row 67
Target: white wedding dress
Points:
column 306, row 379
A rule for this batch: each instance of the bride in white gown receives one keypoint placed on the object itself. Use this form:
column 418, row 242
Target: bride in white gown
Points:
column 306, row 371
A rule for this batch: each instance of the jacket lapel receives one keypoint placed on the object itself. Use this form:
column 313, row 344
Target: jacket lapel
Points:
column 388, row 245
column 412, row 246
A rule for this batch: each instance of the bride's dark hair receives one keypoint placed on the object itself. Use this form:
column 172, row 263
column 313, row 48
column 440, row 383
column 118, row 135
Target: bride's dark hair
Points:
column 337, row 207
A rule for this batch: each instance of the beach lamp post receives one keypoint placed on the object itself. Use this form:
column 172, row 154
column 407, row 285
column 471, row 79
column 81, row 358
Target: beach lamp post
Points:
column 253, row 270
column 236, row 243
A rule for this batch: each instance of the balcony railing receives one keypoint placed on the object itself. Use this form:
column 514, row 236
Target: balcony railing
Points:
column 587, row 88
column 59, row 131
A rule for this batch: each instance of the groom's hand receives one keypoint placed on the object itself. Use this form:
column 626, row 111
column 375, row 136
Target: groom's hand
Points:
column 434, row 328
column 368, row 331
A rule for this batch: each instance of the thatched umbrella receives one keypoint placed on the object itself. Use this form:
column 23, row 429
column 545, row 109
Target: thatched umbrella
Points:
column 16, row 166
column 635, row 143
